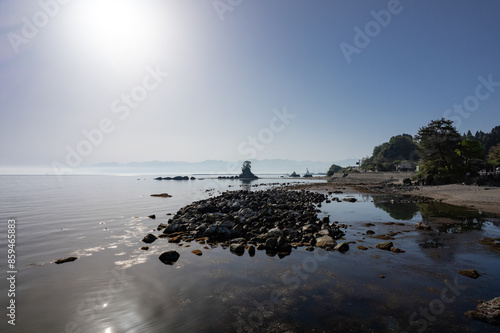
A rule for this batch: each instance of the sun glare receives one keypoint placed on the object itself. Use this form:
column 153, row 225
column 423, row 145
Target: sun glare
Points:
column 120, row 32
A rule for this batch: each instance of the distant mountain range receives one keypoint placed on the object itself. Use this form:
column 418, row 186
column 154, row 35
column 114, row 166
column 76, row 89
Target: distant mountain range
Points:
column 270, row 166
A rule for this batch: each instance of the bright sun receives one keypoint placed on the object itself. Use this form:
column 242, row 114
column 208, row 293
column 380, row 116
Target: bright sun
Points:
column 120, row 32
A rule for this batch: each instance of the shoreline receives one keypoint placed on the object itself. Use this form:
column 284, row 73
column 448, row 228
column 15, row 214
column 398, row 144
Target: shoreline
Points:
column 481, row 198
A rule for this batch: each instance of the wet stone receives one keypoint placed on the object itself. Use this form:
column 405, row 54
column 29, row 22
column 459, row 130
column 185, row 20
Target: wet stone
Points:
column 384, row 246
column 65, row 260
column 169, row 257
column 472, row 273
column 488, row 311
column 150, row 238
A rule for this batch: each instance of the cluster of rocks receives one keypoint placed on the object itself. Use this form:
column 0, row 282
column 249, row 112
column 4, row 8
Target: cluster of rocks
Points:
column 273, row 220
column 175, row 178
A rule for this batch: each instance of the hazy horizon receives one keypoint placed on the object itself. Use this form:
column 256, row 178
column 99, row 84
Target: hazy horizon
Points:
column 166, row 168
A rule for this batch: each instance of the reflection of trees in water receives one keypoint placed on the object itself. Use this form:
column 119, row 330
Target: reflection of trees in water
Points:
column 397, row 209
column 443, row 242
column 466, row 219
column 404, row 208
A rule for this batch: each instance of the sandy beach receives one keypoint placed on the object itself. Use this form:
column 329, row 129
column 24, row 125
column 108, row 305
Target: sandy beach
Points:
column 482, row 198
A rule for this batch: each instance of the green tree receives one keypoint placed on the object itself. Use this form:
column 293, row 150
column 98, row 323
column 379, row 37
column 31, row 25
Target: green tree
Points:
column 388, row 155
column 438, row 143
column 472, row 154
column 333, row 169
column 494, row 155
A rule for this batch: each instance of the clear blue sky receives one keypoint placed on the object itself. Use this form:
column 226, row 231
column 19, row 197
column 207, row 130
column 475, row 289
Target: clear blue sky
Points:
column 100, row 66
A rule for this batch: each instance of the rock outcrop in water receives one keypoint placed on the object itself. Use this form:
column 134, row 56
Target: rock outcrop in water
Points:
column 274, row 220
column 150, row 238
column 175, row 178
column 488, row 311
column 161, row 195
column 65, row 260
column 246, row 172
column 169, row 257
column 472, row 273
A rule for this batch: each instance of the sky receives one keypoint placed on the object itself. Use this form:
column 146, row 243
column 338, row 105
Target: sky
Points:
column 100, row 81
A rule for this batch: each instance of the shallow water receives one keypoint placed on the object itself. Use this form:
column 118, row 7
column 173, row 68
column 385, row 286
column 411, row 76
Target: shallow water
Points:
column 116, row 287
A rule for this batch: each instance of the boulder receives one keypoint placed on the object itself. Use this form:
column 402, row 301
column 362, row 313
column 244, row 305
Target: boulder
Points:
column 237, row 249
column 169, row 257
column 152, row 216
column 342, row 247
column 325, row 241
column 396, row 250
column 161, row 226
column 62, row 261
column 275, row 232
column 197, row 252
column 285, row 247
column 472, row 273
column 161, row 195
column 350, row 199
column 488, row 311
column 384, row 246
column 150, row 238
column 271, row 243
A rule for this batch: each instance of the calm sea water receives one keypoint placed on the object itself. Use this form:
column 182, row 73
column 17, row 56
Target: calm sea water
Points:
column 116, row 287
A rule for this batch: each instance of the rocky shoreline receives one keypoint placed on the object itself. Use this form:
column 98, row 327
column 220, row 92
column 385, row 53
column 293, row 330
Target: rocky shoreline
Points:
column 274, row 220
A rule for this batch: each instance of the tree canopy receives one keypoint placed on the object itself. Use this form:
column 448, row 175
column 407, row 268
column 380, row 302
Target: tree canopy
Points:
column 388, row 155
column 438, row 143
column 494, row 155
column 442, row 154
